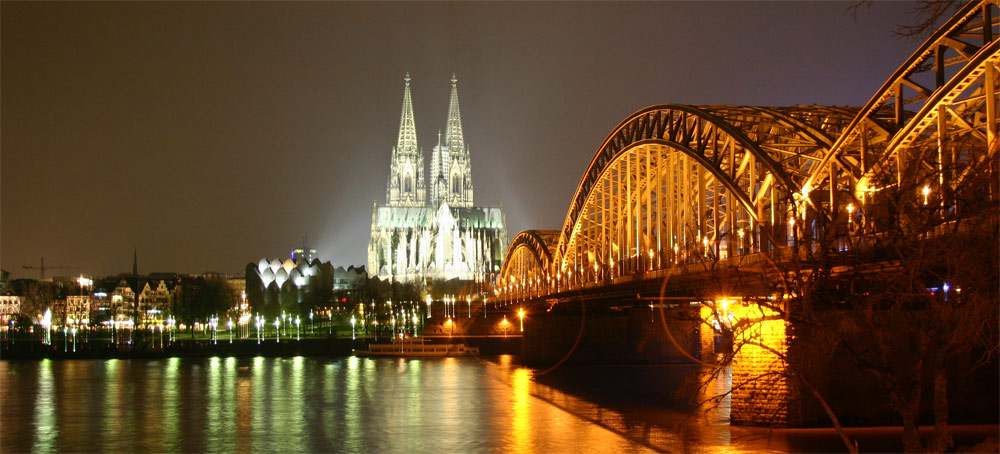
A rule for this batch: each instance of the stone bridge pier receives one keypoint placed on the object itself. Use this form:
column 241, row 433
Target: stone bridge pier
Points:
column 636, row 334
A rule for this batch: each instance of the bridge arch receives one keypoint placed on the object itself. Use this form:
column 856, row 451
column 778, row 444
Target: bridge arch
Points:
column 672, row 179
column 677, row 183
column 943, row 96
column 528, row 263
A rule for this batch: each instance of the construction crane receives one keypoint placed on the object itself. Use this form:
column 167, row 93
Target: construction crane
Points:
column 41, row 269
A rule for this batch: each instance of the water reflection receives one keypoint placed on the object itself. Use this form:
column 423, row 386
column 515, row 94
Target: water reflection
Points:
column 46, row 426
column 522, row 421
column 315, row 404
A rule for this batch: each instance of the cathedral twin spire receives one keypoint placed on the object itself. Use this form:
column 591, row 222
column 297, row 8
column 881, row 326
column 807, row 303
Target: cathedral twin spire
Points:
column 453, row 130
column 451, row 174
column 407, row 141
column 406, row 185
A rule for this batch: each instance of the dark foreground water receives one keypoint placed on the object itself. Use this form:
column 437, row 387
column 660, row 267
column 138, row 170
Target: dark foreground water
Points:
column 447, row 405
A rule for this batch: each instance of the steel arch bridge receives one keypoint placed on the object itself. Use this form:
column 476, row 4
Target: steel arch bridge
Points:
column 681, row 184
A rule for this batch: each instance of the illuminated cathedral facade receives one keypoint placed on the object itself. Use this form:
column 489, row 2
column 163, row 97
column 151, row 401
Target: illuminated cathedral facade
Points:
column 429, row 227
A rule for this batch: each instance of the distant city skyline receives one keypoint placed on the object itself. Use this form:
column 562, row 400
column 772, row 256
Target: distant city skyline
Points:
column 205, row 135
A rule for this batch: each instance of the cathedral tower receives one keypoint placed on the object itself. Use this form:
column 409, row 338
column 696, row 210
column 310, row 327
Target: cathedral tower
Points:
column 451, row 167
column 406, row 186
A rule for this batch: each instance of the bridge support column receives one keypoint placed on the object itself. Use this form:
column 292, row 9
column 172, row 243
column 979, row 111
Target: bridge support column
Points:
column 763, row 394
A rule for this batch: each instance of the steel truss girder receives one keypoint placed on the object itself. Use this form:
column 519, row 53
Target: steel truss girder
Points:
column 958, row 56
column 800, row 149
column 775, row 138
column 533, row 249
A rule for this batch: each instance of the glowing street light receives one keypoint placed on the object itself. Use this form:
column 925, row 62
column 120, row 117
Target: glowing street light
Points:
column 277, row 329
column 46, row 323
column 850, row 213
column 298, row 332
column 428, row 300
column 520, row 314
column 352, row 326
column 926, row 191
column 229, row 325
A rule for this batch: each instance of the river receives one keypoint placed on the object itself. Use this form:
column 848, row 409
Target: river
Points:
column 351, row 404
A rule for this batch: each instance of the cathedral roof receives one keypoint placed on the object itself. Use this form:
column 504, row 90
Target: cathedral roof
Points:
column 416, row 217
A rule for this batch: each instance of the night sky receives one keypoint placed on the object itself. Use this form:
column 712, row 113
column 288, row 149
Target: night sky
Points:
column 208, row 135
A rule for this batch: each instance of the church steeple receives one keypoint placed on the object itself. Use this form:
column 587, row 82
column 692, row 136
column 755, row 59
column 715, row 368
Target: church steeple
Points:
column 406, row 185
column 407, row 141
column 457, row 170
column 453, row 130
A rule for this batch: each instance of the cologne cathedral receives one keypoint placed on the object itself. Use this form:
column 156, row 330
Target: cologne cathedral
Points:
column 429, row 227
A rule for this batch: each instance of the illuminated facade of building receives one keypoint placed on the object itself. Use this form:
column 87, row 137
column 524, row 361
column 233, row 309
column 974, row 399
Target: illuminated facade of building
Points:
column 275, row 285
column 154, row 301
column 10, row 305
column 429, row 227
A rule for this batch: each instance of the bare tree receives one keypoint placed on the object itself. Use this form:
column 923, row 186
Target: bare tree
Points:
column 927, row 16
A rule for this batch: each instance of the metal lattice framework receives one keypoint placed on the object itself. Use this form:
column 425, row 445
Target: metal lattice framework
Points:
column 677, row 184
column 943, row 97
column 529, row 258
